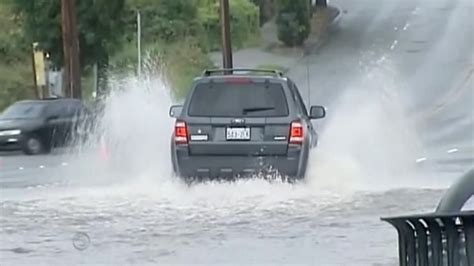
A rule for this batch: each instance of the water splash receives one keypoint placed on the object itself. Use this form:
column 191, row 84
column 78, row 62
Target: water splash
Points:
column 368, row 141
column 133, row 128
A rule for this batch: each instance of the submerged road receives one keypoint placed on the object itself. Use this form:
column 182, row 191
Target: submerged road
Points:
column 396, row 77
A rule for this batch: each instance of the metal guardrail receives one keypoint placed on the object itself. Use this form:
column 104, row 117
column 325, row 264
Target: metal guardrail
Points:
column 445, row 237
column 435, row 239
column 246, row 71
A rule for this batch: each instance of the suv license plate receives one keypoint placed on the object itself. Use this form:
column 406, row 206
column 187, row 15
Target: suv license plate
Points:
column 238, row 133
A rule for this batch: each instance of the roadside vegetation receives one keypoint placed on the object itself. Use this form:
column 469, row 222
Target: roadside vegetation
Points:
column 293, row 22
column 177, row 36
column 16, row 74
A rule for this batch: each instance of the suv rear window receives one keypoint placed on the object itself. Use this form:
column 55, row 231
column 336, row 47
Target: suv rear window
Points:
column 241, row 100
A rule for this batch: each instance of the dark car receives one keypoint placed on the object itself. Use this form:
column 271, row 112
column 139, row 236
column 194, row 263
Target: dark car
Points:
column 242, row 122
column 36, row 126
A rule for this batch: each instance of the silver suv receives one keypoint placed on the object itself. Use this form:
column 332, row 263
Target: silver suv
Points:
column 242, row 122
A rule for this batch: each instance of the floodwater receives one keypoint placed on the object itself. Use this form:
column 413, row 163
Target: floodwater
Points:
column 136, row 213
column 379, row 155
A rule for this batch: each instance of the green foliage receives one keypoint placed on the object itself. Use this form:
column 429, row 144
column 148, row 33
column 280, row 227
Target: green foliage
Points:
column 293, row 21
column 244, row 21
column 100, row 27
column 12, row 48
column 181, row 68
column 164, row 20
column 178, row 33
column 16, row 77
column 180, row 61
column 14, row 83
column 267, row 9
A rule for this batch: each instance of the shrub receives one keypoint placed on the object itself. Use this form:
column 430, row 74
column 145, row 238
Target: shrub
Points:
column 244, row 22
column 181, row 68
column 293, row 22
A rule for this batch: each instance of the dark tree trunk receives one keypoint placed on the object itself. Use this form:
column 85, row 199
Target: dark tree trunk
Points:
column 323, row 3
column 266, row 10
column 102, row 79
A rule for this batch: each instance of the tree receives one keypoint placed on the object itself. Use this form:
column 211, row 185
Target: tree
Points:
column 322, row 3
column 165, row 20
column 293, row 21
column 266, row 9
column 244, row 22
column 100, row 25
column 16, row 77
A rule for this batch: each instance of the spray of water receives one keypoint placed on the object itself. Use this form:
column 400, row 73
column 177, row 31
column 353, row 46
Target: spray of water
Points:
column 366, row 143
column 131, row 135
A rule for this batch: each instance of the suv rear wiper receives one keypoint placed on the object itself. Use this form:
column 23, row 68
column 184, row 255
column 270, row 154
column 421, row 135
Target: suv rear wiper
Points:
column 257, row 109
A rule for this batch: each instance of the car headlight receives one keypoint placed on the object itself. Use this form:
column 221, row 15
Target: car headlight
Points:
column 10, row 132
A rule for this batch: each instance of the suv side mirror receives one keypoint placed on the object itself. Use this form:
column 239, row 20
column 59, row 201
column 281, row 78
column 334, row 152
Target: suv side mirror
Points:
column 317, row 112
column 176, row 110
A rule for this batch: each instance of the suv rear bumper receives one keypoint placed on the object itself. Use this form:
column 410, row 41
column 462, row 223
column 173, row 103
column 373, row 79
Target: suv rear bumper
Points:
column 214, row 166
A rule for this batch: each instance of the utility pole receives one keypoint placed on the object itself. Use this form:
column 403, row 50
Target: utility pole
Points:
column 139, row 43
column 72, row 72
column 35, row 83
column 225, row 30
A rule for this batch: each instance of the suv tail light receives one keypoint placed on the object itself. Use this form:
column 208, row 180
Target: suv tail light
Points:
column 296, row 133
column 180, row 133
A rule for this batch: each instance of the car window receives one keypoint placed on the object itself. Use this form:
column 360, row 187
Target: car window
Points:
column 23, row 111
column 243, row 99
column 297, row 98
column 300, row 99
column 56, row 109
column 64, row 109
column 73, row 109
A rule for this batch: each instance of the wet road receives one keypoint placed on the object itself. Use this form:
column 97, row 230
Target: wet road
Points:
column 397, row 79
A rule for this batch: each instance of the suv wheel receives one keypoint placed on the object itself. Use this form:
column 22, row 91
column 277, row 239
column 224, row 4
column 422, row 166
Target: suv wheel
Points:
column 34, row 145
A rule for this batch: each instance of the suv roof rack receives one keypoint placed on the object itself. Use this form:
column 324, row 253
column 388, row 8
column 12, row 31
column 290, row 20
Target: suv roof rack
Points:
column 209, row 72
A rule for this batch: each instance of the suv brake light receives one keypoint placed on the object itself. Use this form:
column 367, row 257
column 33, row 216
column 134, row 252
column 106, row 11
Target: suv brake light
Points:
column 296, row 133
column 180, row 133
